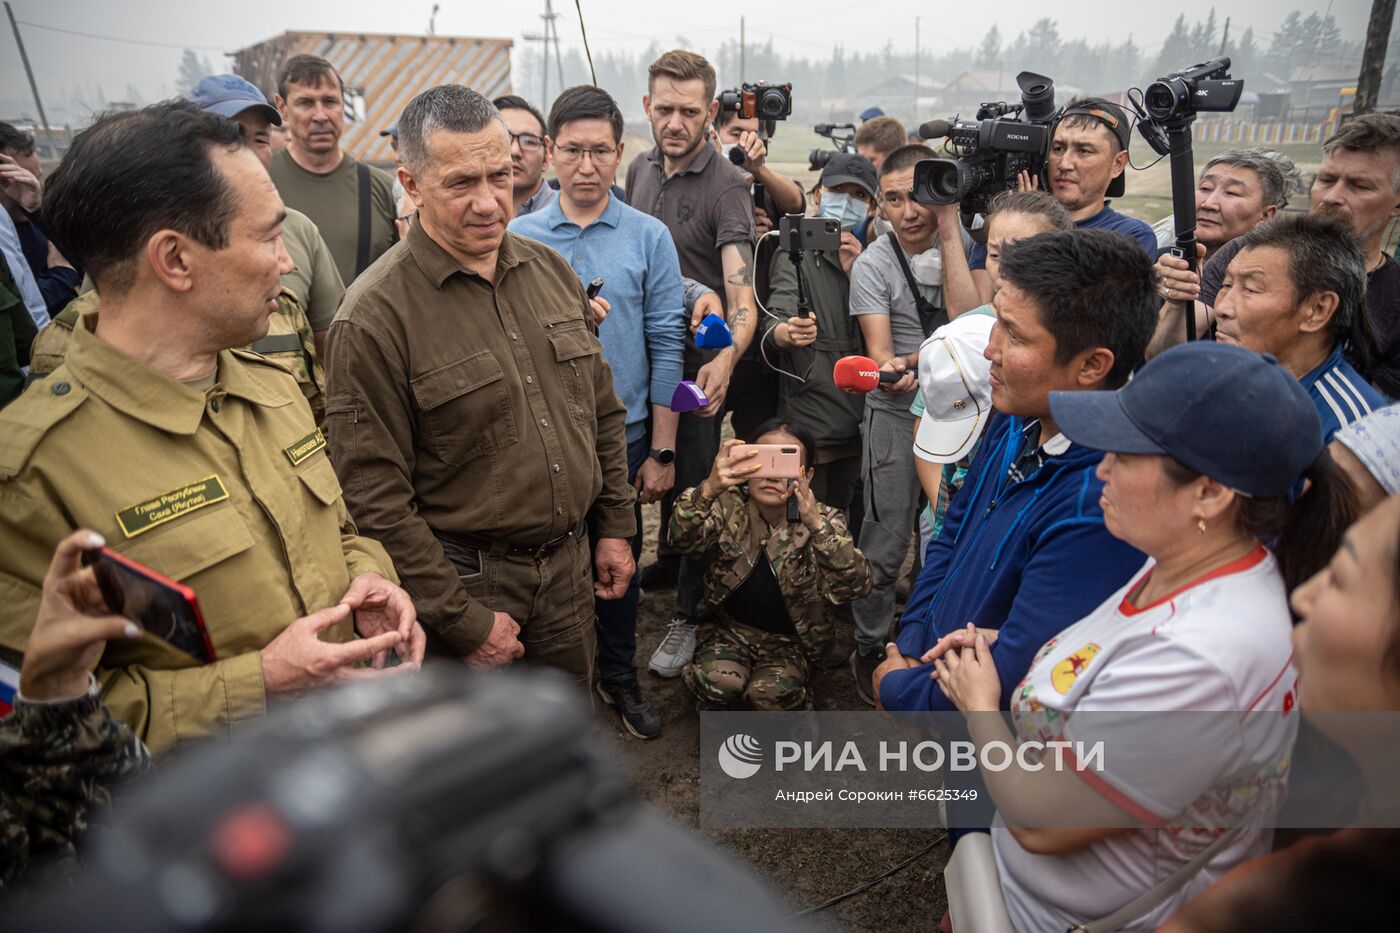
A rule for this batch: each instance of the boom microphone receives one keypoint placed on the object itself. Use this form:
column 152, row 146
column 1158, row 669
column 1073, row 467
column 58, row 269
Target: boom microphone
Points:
column 935, row 129
column 859, row 374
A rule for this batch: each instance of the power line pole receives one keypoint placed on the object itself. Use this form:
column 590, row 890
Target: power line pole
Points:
column 1368, row 84
column 916, row 70
column 550, row 34
column 1224, row 38
column 743, row 49
column 33, row 87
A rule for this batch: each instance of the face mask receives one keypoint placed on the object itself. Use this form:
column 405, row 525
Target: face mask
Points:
column 727, row 148
column 927, row 267
column 843, row 208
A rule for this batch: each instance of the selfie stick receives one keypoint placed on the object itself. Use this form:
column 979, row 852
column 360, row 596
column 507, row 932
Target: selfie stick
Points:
column 794, row 251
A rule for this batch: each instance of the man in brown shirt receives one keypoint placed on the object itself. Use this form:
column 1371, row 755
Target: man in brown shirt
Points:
column 472, row 419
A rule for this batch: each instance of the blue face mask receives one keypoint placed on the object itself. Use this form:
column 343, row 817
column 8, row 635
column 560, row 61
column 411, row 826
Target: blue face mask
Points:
column 842, row 208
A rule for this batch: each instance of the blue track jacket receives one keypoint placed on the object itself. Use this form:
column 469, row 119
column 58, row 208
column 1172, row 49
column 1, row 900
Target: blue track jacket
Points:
column 1029, row 559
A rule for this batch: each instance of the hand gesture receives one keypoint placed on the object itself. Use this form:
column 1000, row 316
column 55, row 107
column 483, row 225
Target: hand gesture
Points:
column 380, row 606
column 969, row 678
column 72, row 626
column 762, row 223
column 894, row 661
column 706, row 304
column 600, row 309
column 807, row 507
column 796, row 332
column 297, row 659
column 729, row 470
column 850, row 249
column 1175, row 280
column 20, row 184
column 953, row 641
column 908, row 381
column 500, row 647
column 755, row 151
column 613, row 566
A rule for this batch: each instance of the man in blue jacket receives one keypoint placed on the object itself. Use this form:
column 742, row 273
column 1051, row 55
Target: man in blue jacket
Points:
column 1023, row 548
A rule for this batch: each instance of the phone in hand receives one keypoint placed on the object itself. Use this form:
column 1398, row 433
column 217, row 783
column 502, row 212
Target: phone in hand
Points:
column 594, row 287
column 166, row 609
column 776, row 461
column 759, row 196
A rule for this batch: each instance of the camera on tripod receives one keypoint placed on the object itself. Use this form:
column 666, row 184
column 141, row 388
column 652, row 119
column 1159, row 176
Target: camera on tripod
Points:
column 1004, row 140
column 842, row 136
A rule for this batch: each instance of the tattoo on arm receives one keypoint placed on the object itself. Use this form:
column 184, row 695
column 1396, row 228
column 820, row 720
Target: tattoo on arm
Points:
column 743, row 277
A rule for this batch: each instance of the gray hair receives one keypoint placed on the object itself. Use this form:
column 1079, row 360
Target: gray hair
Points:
column 1278, row 176
column 449, row 107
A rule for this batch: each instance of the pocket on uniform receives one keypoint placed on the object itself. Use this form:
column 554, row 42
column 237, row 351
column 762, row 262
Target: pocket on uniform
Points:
column 573, row 349
column 187, row 545
column 465, row 409
column 320, row 480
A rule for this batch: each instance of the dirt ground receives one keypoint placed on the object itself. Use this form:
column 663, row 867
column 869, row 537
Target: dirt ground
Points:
column 805, row 866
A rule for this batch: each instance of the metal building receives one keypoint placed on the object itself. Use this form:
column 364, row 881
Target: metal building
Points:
column 382, row 73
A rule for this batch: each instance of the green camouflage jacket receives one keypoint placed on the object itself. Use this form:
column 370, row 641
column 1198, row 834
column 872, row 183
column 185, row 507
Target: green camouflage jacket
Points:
column 58, row 762
column 813, row 570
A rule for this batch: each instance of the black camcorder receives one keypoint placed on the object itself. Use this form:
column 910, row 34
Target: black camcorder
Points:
column 842, row 136
column 1004, row 140
column 758, row 99
column 1177, row 98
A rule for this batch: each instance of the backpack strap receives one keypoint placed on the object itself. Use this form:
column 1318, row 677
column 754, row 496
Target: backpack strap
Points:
column 931, row 317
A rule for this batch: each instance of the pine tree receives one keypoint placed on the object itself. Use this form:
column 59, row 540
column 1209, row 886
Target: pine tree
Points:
column 1176, row 50
column 191, row 70
column 1203, row 45
column 1043, row 47
column 989, row 53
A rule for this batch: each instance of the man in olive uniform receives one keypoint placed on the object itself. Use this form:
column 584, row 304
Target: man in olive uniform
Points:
column 290, row 339
column 200, row 462
column 471, row 416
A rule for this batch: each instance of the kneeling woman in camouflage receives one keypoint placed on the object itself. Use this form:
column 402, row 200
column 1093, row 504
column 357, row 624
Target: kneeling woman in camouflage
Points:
column 765, row 611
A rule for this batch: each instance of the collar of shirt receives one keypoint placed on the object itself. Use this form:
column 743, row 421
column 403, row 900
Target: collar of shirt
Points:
column 1031, row 455
column 139, row 391
column 554, row 214
column 438, row 265
column 544, row 196
column 696, row 166
column 1333, row 359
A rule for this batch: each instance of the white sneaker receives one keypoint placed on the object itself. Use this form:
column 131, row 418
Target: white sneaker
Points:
column 675, row 650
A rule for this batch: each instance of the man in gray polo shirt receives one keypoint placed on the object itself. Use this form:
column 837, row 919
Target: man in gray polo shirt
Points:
column 893, row 328
column 703, row 199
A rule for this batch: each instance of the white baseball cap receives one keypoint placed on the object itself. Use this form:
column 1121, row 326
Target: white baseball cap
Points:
column 955, row 379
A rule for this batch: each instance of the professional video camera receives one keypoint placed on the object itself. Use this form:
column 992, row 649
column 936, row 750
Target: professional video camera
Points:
column 1004, row 140
column 437, row 801
column 1165, row 114
column 842, row 136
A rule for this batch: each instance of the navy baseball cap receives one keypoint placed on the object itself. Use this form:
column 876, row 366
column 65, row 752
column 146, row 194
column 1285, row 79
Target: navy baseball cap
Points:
column 1220, row 410
column 870, row 113
column 391, row 131
column 230, row 95
column 847, row 167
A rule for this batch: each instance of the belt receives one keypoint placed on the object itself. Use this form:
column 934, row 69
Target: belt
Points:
column 535, row 552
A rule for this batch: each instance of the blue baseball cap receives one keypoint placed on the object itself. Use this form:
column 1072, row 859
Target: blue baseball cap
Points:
column 870, row 113
column 230, row 95
column 1220, row 410
column 391, row 131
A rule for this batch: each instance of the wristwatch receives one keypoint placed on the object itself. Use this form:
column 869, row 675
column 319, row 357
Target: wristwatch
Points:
column 662, row 455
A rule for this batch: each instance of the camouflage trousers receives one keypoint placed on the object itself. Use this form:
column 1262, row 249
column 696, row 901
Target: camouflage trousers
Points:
column 742, row 667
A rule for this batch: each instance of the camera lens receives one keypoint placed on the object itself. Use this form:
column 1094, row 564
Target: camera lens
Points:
column 1162, row 98
column 770, row 105
column 818, row 158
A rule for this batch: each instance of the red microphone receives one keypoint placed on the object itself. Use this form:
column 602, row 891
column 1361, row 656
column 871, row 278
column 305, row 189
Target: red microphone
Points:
column 859, row 374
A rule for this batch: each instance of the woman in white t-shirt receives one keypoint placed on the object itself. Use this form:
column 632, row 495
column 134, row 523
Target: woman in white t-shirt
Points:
column 1204, row 449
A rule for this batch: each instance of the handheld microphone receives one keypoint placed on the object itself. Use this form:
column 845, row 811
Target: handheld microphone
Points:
column 688, row 397
column 713, row 333
column 859, row 374
column 738, row 156
column 935, row 129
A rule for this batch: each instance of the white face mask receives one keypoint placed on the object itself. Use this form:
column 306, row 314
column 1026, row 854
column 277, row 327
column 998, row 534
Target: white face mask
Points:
column 726, row 148
column 927, row 267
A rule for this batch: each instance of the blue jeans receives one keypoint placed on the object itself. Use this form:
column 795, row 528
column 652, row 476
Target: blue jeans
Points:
column 617, row 618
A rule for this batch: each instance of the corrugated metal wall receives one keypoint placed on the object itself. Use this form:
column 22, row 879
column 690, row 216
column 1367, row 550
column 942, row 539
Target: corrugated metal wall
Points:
column 387, row 70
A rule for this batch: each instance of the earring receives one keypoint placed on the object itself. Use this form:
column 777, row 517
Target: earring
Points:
column 1200, row 526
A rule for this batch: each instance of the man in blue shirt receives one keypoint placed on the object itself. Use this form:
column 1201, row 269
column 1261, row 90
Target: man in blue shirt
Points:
column 1088, row 156
column 1297, row 290
column 643, row 336
column 1023, row 549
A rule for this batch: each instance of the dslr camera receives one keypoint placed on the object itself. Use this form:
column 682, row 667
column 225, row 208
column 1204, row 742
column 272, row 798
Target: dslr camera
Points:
column 1004, row 140
column 767, row 102
column 842, row 136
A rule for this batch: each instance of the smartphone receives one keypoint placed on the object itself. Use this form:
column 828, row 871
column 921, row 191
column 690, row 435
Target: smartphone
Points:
column 594, row 287
column 776, row 461
column 166, row 609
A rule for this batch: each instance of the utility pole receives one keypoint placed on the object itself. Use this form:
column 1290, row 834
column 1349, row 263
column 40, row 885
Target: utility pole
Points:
column 743, row 49
column 916, row 71
column 550, row 34
column 33, row 87
column 1368, row 84
column 1225, row 38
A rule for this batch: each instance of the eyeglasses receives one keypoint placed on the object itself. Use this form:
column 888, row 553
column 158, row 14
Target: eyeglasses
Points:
column 528, row 142
column 568, row 155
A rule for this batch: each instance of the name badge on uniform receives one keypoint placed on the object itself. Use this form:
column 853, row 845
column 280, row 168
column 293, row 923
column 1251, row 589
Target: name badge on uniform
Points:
column 308, row 445
column 182, row 500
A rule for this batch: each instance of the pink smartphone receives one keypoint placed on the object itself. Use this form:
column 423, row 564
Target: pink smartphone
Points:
column 776, row 461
